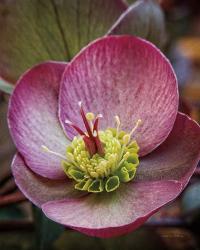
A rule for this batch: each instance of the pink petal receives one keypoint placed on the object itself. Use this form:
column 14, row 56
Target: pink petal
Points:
column 33, row 121
column 125, row 76
column 38, row 189
column 177, row 157
column 116, row 213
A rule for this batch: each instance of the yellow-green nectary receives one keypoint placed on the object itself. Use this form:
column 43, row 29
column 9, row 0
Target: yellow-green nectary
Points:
column 102, row 173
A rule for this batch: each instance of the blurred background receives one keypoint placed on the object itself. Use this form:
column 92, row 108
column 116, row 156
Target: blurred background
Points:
column 177, row 225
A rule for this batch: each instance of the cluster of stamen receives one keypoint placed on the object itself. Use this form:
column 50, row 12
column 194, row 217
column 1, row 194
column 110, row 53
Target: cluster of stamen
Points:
column 100, row 160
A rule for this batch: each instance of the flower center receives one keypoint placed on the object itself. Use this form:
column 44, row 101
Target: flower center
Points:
column 100, row 160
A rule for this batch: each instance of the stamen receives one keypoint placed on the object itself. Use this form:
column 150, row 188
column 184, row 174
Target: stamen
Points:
column 138, row 123
column 124, row 159
column 90, row 117
column 46, row 149
column 117, row 120
column 126, row 139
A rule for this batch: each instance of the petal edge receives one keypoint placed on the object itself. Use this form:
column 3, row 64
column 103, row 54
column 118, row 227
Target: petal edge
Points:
column 33, row 121
column 109, row 215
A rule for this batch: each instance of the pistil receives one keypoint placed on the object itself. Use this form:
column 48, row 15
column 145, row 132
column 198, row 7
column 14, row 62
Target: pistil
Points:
column 91, row 139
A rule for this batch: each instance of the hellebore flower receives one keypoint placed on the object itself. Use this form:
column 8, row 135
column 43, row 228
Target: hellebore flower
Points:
column 137, row 154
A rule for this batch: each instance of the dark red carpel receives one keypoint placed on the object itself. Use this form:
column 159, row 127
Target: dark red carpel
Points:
column 91, row 139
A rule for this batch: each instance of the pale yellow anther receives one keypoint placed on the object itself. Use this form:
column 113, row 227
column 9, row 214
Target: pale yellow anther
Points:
column 90, row 116
column 125, row 157
column 99, row 171
column 102, row 165
column 94, row 174
column 70, row 156
column 126, row 139
column 117, row 120
column 138, row 123
column 45, row 148
column 113, row 158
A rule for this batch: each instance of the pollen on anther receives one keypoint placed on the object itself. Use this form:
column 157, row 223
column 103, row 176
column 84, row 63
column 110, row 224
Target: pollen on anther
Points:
column 138, row 123
column 90, row 116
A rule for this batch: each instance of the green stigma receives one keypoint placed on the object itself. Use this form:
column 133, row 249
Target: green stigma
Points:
column 98, row 161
